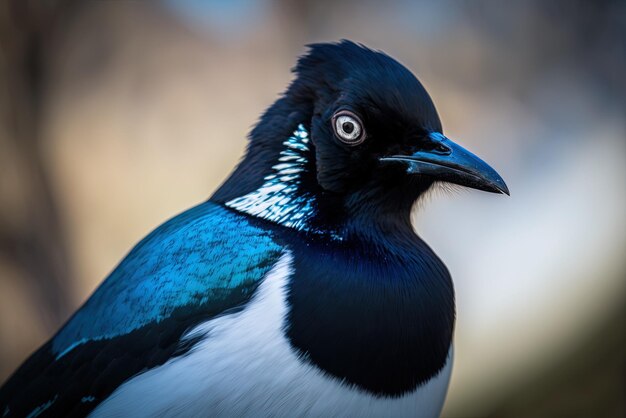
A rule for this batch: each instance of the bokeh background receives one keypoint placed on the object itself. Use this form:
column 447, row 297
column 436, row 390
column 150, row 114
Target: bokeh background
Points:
column 116, row 115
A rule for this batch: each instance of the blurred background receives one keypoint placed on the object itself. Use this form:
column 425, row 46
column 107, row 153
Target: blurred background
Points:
column 116, row 115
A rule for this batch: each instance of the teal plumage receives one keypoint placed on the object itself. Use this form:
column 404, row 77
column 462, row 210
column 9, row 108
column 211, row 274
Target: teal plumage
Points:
column 173, row 267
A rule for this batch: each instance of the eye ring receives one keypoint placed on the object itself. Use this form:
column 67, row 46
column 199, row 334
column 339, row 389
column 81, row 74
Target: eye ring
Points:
column 348, row 128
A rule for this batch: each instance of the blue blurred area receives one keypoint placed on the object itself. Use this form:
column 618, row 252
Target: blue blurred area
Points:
column 224, row 19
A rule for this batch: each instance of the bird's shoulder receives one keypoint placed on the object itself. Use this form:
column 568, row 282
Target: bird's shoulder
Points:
column 200, row 264
column 207, row 259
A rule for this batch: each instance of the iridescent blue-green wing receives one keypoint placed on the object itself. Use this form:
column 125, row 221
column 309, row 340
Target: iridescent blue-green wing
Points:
column 198, row 265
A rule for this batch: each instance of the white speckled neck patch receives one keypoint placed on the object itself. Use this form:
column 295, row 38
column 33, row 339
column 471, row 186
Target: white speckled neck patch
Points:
column 279, row 199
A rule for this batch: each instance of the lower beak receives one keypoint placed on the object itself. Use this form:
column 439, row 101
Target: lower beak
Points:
column 450, row 162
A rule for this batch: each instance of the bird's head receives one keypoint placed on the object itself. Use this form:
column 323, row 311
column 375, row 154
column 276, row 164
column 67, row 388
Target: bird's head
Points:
column 355, row 137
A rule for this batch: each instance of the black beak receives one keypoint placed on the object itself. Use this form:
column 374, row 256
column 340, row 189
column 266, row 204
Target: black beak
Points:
column 450, row 162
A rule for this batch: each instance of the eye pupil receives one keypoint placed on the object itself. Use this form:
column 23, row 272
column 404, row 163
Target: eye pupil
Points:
column 348, row 127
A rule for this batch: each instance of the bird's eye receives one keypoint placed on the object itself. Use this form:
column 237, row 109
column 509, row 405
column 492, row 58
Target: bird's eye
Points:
column 348, row 127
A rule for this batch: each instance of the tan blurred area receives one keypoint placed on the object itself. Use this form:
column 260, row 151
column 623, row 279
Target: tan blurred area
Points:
column 116, row 115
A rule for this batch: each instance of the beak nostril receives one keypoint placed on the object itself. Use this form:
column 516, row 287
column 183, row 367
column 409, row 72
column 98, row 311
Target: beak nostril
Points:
column 438, row 145
column 442, row 149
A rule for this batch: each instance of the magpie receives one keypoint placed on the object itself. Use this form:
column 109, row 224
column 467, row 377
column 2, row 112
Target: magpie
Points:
column 298, row 289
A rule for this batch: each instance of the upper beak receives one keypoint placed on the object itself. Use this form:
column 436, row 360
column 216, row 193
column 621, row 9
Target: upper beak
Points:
column 451, row 162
